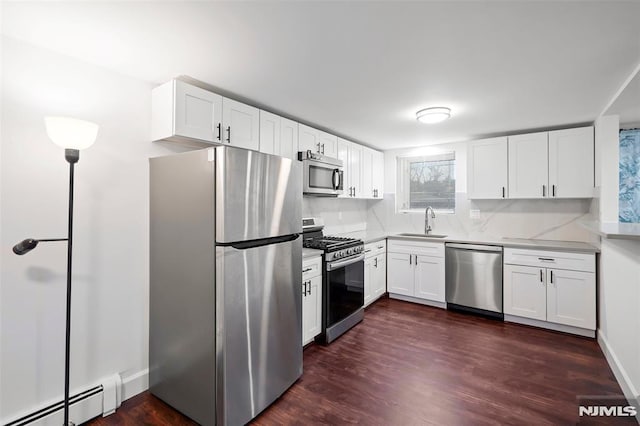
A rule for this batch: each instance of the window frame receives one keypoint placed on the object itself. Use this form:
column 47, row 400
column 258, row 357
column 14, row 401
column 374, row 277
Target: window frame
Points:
column 403, row 180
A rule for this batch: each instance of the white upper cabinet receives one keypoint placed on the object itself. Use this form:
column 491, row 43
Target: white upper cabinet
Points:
column 528, row 166
column 351, row 155
column 269, row 132
column 278, row 135
column 372, row 173
column 571, row 163
column 377, row 174
column 241, row 124
column 288, row 138
column 328, row 144
column 487, row 173
column 317, row 141
column 183, row 112
column 308, row 138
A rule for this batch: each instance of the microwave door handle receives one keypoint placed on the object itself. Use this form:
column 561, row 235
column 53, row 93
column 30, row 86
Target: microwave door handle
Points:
column 335, row 179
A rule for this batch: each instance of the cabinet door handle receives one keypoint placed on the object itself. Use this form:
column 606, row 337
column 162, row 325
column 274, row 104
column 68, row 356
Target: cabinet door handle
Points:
column 318, row 150
column 219, row 126
column 309, row 293
column 410, row 259
column 322, row 149
column 553, row 190
column 503, row 193
column 544, row 190
column 415, row 259
column 541, row 280
column 229, row 134
column 551, row 273
column 306, row 270
column 546, row 259
column 304, row 291
column 375, row 262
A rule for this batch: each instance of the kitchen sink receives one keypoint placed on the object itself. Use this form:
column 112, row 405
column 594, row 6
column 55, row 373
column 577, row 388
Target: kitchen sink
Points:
column 409, row 234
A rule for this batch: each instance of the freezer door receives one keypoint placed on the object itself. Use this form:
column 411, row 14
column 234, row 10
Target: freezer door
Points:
column 257, row 195
column 258, row 327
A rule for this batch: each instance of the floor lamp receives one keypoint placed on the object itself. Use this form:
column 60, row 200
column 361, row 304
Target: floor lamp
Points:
column 72, row 135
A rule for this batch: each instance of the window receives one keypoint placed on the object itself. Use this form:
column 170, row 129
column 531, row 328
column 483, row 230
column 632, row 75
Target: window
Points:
column 427, row 180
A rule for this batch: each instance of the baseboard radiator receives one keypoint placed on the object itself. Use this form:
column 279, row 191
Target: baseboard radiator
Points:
column 99, row 400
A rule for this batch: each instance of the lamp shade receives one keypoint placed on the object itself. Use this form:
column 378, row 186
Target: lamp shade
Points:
column 71, row 133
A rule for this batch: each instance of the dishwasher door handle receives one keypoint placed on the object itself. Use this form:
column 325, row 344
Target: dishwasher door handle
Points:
column 474, row 247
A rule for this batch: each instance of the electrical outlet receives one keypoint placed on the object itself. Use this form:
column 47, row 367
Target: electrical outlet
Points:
column 339, row 215
column 474, row 214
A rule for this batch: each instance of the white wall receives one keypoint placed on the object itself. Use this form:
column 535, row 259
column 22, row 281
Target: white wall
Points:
column 619, row 273
column 607, row 163
column 544, row 219
column 619, row 311
column 110, row 269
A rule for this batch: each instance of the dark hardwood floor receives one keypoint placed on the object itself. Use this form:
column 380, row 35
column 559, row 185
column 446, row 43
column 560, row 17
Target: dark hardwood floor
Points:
column 410, row 364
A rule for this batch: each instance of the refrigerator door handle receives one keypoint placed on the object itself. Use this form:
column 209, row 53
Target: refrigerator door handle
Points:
column 243, row 245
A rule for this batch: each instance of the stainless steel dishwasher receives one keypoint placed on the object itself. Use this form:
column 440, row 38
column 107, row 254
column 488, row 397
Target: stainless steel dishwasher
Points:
column 474, row 278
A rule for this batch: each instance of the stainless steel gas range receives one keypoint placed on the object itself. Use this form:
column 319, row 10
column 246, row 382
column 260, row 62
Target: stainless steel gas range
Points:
column 342, row 279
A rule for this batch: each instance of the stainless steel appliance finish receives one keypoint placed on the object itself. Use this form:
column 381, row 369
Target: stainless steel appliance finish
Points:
column 225, row 306
column 256, row 196
column 474, row 277
column 322, row 176
column 342, row 279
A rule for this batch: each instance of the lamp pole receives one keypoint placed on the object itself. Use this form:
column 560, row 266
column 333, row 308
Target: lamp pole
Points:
column 72, row 135
column 72, row 156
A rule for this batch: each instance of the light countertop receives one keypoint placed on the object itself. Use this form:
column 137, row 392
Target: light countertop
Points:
column 309, row 252
column 575, row 246
column 614, row 230
column 367, row 236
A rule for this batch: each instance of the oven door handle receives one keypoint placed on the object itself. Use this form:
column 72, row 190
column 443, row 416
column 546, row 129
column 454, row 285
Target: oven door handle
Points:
column 332, row 266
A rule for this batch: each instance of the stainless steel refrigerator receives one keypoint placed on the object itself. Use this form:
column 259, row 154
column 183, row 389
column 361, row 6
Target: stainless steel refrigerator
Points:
column 225, row 282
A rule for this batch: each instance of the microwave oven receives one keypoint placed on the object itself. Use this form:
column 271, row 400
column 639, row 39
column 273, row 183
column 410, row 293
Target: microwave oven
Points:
column 323, row 176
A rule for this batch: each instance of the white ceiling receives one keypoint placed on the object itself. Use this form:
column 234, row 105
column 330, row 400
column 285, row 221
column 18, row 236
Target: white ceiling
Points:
column 362, row 69
column 627, row 104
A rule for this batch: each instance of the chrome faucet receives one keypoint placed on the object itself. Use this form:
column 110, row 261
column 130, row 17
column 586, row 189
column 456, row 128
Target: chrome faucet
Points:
column 428, row 227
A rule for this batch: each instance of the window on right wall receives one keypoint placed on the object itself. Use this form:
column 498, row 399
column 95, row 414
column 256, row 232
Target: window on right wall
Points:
column 427, row 180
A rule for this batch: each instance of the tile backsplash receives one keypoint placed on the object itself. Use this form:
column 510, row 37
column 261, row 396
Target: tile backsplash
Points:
column 541, row 219
column 340, row 214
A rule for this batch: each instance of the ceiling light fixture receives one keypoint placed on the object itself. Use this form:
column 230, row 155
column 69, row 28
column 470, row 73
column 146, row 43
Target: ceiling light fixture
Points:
column 433, row 115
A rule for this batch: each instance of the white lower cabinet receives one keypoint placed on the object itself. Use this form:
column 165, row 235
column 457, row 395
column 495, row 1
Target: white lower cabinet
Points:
column 416, row 270
column 549, row 294
column 400, row 274
column 311, row 309
column 571, row 298
column 375, row 271
column 311, row 298
column 525, row 292
column 429, row 278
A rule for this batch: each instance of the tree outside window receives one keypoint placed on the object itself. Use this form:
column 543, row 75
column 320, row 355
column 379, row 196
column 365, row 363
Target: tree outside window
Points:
column 427, row 181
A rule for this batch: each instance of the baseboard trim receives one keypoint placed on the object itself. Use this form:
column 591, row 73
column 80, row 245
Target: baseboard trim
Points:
column 551, row 326
column 135, row 384
column 630, row 392
column 441, row 305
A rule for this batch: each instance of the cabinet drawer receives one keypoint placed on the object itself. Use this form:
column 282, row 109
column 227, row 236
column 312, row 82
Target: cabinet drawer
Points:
column 551, row 259
column 416, row 247
column 311, row 267
column 376, row 248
